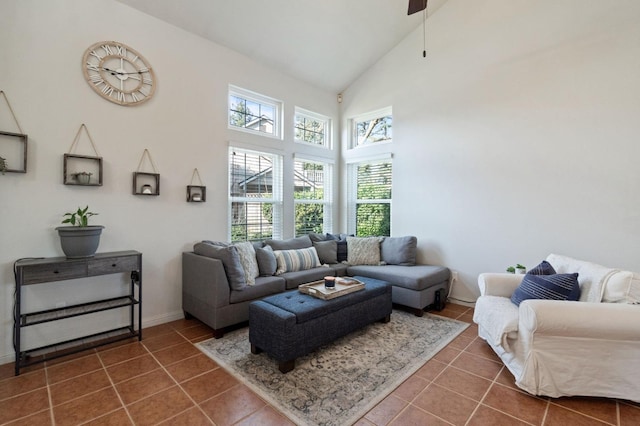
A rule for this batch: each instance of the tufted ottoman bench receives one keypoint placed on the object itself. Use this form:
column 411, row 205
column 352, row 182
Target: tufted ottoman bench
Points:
column 289, row 325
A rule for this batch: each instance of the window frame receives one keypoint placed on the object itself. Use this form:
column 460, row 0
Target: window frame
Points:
column 327, row 143
column 352, row 191
column 248, row 95
column 276, row 199
column 353, row 131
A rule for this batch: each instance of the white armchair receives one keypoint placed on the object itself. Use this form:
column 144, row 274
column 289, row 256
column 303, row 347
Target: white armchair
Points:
column 563, row 348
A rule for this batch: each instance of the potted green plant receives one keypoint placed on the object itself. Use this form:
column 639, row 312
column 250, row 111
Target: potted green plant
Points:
column 518, row 269
column 3, row 165
column 79, row 239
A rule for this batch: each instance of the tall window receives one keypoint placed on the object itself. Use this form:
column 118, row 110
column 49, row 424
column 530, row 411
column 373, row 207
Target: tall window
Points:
column 312, row 197
column 372, row 128
column 311, row 128
column 370, row 196
column 254, row 113
column 255, row 195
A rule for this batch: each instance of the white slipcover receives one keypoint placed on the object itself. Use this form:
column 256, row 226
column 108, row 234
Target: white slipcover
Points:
column 560, row 348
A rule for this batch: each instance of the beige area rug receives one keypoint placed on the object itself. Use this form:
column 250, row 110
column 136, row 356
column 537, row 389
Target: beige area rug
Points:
column 338, row 383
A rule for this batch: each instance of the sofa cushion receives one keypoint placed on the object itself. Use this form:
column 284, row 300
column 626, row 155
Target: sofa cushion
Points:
column 266, row 259
column 294, row 279
column 230, row 259
column 327, row 251
column 544, row 268
column 248, row 261
column 399, row 250
column 363, row 250
column 622, row 287
column 552, row 287
column 264, row 286
column 418, row 277
column 296, row 260
column 291, row 244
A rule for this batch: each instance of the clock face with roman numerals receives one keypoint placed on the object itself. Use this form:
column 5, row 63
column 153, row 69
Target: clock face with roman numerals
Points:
column 118, row 73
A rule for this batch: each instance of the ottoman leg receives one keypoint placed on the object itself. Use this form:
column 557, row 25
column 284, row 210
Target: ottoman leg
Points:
column 286, row 366
column 418, row 312
column 386, row 319
column 255, row 350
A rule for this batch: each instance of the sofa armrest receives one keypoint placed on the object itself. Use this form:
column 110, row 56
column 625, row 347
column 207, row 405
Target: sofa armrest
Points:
column 498, row 284
column 602, row 321
column 204, row 283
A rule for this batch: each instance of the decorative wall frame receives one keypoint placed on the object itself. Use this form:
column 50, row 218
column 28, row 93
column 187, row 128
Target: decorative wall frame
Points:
column 145, row 183
column 83, row 170
column 13, row 147
column 196, row 193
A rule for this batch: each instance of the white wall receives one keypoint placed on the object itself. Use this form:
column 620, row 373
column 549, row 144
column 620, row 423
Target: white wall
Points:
column 184, row 126
column 517, row 136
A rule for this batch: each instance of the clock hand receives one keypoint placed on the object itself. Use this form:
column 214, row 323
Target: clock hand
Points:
column 114, row 72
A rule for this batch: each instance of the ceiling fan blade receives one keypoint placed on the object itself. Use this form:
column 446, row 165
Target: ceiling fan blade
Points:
column 416, row 6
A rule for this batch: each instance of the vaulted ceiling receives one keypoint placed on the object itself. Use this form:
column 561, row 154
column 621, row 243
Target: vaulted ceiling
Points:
column 327, row 43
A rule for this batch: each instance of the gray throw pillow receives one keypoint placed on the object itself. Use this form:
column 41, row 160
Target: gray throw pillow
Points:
column 266, row 261
column 341, row 239
column 399, row 250
column 316, row 237
column 230, row 259
column 291, row 244
column 327, row 251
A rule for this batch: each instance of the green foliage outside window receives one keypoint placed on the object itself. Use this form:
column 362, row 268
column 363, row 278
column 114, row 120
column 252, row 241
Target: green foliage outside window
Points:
column 373, row 183
column 309, row 216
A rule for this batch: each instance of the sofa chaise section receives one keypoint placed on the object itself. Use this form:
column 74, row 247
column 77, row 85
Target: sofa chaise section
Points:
column 414, row 286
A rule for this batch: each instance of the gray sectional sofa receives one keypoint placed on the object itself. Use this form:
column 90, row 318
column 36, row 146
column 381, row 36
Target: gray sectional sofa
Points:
column 220, row 280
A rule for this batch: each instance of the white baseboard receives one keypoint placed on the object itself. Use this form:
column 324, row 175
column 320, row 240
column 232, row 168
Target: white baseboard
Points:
column 146, row 323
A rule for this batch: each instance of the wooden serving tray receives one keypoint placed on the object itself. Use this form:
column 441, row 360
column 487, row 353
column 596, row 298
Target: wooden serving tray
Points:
column 343, row 286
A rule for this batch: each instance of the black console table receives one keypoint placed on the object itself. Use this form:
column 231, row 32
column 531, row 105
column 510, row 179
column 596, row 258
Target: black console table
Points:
column 45, row 270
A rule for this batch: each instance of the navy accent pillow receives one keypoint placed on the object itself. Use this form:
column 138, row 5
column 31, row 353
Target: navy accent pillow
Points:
column 544, row 268
column 552, row 287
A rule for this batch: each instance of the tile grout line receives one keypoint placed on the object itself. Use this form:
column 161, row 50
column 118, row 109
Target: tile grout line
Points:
column 115, row 390
column 180, row 386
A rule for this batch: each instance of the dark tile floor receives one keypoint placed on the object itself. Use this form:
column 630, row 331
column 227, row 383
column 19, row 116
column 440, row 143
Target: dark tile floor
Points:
column 165, row 380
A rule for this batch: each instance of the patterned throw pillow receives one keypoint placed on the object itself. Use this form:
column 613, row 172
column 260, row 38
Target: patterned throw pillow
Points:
column 552, row 287
column 544, row 268
column 248, row 261
column 296, row 260
column 363, row 251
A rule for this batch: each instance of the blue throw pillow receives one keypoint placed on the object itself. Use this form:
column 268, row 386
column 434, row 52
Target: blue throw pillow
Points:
column 552, row 287
column 544, row 268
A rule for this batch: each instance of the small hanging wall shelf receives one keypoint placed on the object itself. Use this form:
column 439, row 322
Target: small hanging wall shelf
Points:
column 13, row 147
column 196, row 193
column 83, row 170
column 146, row 183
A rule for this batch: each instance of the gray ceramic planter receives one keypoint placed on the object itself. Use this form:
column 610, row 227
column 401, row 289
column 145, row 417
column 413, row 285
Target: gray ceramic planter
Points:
column 79, row 241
